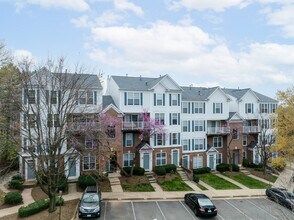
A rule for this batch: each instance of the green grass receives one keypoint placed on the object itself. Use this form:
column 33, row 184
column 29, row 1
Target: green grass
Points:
column 175, row 184
column 247, row 181
column 217, row 182
column 201, row 187
column 141, row 187
column 2, row 194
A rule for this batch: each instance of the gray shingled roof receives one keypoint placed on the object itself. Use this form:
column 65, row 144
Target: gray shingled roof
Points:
column 87, row 80
column 239, row 93
column 136, row 83
column 107, row 100
column 196, row 93
column 264, row 98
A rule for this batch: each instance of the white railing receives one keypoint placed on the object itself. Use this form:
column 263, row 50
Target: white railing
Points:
column 218, row 130
column 77, row 126
column 132, row 125
column 250, row 129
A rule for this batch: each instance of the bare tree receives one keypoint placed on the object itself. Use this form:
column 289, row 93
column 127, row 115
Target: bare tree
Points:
column 50, row 94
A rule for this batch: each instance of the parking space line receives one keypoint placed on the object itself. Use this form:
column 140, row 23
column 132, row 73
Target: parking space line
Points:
column 187, row 210
column 133, row 211
column 218, row 215
column 237, row 209
column 160, row 210
column 105, row 210
column 262, row 209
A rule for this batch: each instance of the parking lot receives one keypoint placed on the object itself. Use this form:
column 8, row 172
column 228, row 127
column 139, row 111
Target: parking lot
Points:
column 228, row 209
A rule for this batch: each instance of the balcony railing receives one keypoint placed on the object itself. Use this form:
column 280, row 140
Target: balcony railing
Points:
column 79, row 126
column 250, row 129
column 218, row 130
column 132, row 125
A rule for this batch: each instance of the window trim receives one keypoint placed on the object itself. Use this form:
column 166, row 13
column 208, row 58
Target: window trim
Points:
column 161, row 158
column 89, row 157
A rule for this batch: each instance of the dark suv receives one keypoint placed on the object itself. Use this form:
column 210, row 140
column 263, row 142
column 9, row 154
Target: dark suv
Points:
column 90, row 203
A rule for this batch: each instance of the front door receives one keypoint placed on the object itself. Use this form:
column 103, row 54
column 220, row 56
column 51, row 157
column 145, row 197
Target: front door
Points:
column 211, row 161
column 175, row 157
column 72, row 167
column 236, row 157
column 146, row 161
column 30, row 170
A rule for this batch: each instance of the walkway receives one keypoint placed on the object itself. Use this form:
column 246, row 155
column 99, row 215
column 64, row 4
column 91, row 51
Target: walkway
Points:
column 285, row 178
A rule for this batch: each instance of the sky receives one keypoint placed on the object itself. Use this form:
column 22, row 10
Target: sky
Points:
column 226, row 43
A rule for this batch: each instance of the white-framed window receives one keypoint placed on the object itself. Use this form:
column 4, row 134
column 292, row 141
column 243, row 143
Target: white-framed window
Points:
column 264, row 108
column 159, row 118
column 199, row 107
column 53, row 97
column 129, row 140
column 185, row 126
column 199, row 125
column 185, row 145
column 32, row 120
column 174, row 138
column 219, row 158
column 244, row 140
column 82, row 95
column 174, row 118
column 160, row 158
column 159, row 99
column 32, row 96
column 198, row 144
column 56, row 120
column 217, row 108
column 235, row 134
column 244, row 155
column 174, row 99
column 128, row 159
column 90, row 143
column 89, row 162
column 248, row 108
column 159, row 139
column 185, row 161
column 218, row 141
column 185, row 108
column 133, row 98
column 197, row 162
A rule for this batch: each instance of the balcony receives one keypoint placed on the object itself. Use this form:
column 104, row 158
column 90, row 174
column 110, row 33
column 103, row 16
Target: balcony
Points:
column 82, row 126
column 218, row 130
column 132, row 125
column 250, row 129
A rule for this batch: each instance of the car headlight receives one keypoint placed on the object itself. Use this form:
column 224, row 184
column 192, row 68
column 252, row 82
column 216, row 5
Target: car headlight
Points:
column 97, row 209
column 82, row 209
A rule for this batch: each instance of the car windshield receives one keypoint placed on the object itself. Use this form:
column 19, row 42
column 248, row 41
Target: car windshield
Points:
column 289, row 195
column 204, row 202
column 90, row 198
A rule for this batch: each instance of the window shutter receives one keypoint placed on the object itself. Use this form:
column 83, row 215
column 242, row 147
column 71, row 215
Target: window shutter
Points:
column 204, row 143
column 25, row 96
column 170, row 137
column 59, row 96
column 163, row 139
column 141, row 98
column 169, row 99
column 189, row 107
column 77, row 97
column 95, row 97
column 213, row 108
column 252, row 108
column 204, row 108
column 189, row 126
column 133, row 139
column 47, row 97
column 125, row 96
column 203, row 125
column 170, row 119
column 124, row 139
column 163, row 99
column 192, row 144
column 25, row 120
column 154, row 99
column 179, row 99
column 38, row 96
column 193, row 128
column 154, row 139
column 193, row 108
column 179, row 118
column 189, row 144
column 179, row 138
column 221, row 108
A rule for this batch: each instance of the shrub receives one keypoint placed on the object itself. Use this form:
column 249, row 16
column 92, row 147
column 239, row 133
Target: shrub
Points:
column 235, row 168
column 160, row 170
column 278, row 163
column 17, row 177
column 16, row 184
column 201, row 170
column 62, row 183
column 87, row 180
column 37, row 206
column 245, row 163
column 13, row 198
column 127, row 170
column 196, row 178
column 137, row 171
column 222, row 167
column 170, row 168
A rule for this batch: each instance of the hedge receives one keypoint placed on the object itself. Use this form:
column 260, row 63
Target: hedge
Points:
column 16, row 184
column 17, row 177
column 169, row 168
column 62, row 184
column 160, row 170
column 245, row 163
column 37, row 206
column 13, row 198
column 223, row 167
column 87, row 180
column 137, row 171
column 196, row 178
column 201, row 170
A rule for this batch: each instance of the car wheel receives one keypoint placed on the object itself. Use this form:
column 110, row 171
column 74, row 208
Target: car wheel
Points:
column 276, row 200
column 196, row 212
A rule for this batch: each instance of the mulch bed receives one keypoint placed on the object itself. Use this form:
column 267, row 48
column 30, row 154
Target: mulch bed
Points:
column 168, row 176
column 104, row 185
column 133, row 180
column 260, row 174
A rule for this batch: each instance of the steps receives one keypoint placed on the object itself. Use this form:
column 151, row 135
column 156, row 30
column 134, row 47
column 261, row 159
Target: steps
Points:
column 243, row 170
column 150, row 177
column 182, row 174
column 115, row 182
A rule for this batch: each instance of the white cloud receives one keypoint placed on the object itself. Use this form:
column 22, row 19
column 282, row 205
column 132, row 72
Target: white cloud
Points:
column 76, row 5
column 124, row 5
column 166, row 48
column 20, row 55
column 215, row 5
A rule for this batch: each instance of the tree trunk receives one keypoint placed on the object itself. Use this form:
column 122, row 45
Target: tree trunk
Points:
column 121, row 169
column 52, row 203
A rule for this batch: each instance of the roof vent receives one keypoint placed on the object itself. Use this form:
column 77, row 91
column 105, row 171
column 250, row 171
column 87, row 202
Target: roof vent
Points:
column 146, row 83
column 199, row 92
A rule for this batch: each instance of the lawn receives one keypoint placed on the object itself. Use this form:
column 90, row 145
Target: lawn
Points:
column 217, row 182
column 246, row 180
column 200, row 186
column 136, row 184
column 2, row 194
column 266, row 176
column 174, row 184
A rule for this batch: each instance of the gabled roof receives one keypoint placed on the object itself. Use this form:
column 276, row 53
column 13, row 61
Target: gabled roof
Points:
column 211, row 149
column 107, row 100
column 264, row 98
column 196, row 93
column 234, row 115
column 140, row 83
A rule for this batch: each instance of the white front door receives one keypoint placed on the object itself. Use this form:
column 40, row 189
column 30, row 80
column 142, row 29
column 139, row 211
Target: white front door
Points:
column 30, row 165
column 146, row 160
column 175, row 157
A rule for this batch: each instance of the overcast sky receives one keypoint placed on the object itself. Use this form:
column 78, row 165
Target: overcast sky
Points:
column 227, row 43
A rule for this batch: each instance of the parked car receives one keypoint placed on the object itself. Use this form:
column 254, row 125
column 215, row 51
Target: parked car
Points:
column 200, row 204
column 281, row 196
column 90, row 203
